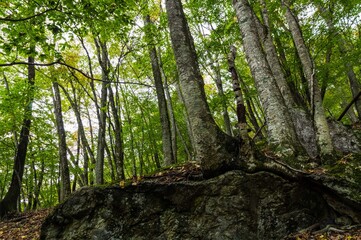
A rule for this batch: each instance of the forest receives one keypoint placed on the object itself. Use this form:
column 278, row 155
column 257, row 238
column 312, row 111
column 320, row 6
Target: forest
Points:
column 98, row 92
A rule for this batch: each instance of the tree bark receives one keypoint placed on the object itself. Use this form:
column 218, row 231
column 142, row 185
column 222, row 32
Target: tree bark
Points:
column 323, row 136
column 187, row 121
column 162, row 103
column 128, row 118
column 300, row 117
column 65, row 188
column 173, row 123
column 118, row 132
column 103, row 60
column 281, row 133
column 215, row 150
column 38, row 183
column 87, row 151
column 222, row 96
column 9, row 202
column 246, row 148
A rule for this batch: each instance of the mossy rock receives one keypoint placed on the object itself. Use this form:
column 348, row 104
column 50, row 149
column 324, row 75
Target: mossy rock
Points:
column 348, row 169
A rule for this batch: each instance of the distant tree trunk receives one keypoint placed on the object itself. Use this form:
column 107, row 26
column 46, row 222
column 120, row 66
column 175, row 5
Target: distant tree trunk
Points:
column 118, row 132
column 323, row 136
column 110, row 164
column 65, row 188
column 215, row 150
column 222, row 96
column 9, row 202
column 29, row 188
column 187, row 121
column 128, row 118
column 281, row 133
column 87, row 151
column 327, row 71
column 38, row 183
column 298, row 98
column 241, row 109
column 103, row 60
column 351, row 112
column 253, row 119
column 92, row 141
column 328, row 17
column 354, row 83
column 162, row 104
column 173, row 123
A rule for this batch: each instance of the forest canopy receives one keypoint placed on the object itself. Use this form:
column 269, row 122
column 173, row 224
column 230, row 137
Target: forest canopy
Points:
column 94, row 92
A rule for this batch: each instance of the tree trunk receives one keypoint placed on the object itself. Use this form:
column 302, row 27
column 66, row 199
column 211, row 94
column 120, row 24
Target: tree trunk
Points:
column 281, row 133
column 302, row 122
column 323, row 136
column 187, row 121
column 265, row 33
column 241, row 109
column 87, row 151
column 162, row 104
column 38, row 183
column 173, row 123
column 9, row 203
column 215, row 150
column 128, row 118
column 354, row 83
column 118, row 132
column 65, row 188
column 103, row 60
column 222, row 96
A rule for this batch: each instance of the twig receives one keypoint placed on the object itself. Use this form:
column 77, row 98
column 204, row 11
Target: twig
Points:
column 348, row 106
column 259, row 130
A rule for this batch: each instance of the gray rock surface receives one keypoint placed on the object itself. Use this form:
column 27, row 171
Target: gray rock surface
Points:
column 235, row 205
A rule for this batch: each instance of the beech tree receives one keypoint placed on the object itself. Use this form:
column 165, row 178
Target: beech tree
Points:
column 162, row 102
column 323, row 133
column 281, row 132
column 213, row 148
column 64, row 169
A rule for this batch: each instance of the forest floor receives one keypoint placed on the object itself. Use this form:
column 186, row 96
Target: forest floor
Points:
column 23, row 225
column 27, row 225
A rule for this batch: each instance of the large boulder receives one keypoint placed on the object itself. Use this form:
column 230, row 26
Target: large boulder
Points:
column 235, row 205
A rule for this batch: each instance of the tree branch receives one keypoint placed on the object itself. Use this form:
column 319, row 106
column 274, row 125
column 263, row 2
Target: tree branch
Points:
column 72, row 68
column 8, row 19
column 348, row 106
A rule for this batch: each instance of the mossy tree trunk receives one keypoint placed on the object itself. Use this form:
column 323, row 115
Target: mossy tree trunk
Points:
column 323, row 136
column 215, row 150
column 281, row 132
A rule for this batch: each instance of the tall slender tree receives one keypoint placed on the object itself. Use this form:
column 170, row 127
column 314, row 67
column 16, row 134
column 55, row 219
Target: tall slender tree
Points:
column 10, row 201
column 104, row 64
column 281, row 132
column 323, row 135
column 118, row 132
column 215, row 150
column 162, row 102
column 65, row 188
